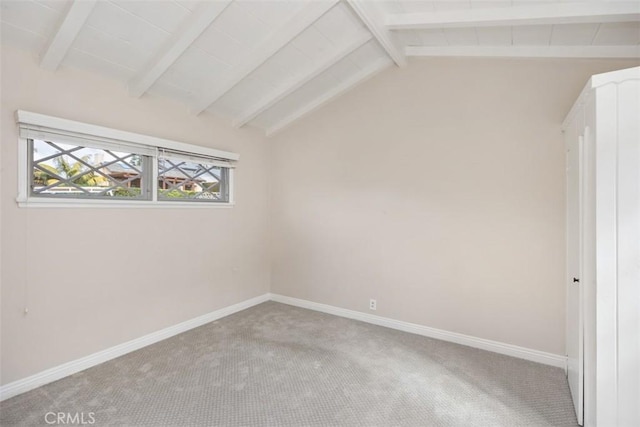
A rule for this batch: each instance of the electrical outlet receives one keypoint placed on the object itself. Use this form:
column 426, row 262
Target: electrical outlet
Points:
column 372, row 304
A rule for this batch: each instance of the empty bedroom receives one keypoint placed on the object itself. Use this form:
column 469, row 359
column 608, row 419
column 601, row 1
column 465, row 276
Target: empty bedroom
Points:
column 320, row 213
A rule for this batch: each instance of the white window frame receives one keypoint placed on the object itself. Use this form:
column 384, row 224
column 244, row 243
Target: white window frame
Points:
column 26, row 199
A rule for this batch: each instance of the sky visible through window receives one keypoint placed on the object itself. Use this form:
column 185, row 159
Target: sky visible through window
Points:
column 42, row 149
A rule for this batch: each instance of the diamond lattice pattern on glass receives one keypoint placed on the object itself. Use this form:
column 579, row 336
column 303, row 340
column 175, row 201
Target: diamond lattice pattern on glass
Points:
column 182, row 179
column 77, row 171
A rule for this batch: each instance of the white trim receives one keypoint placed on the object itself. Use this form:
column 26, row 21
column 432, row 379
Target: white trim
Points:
column 23, row 170
column 51, row 202
column 597, row 80
column 30, row 118
column 614, row 77
column 607, row 259
column 69, row 368
column 373, row 19
column 232, row 187
column 155, row 170
column 481, row 343
column 192, row 27
column 77, row 14
column 309, row 14
column 545, row 14
column 631, row 51
column 282, row 92
column 329, row 96
column 627, row 229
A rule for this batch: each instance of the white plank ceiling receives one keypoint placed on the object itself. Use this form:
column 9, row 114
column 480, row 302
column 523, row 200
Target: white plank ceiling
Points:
column 267, row 63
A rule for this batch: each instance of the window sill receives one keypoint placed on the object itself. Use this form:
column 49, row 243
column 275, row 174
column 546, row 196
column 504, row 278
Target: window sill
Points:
column 110, row 204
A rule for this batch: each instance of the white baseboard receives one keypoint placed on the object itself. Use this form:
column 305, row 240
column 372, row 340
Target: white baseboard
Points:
column 45, row 377
column 481, row 343
column 69, row 368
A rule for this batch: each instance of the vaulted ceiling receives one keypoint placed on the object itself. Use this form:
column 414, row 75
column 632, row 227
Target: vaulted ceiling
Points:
column 267, row 63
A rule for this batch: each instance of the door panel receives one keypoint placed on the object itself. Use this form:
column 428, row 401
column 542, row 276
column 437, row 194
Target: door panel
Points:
column 574, row 337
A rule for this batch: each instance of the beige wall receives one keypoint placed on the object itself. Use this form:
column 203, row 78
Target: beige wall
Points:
column 94, row 278
column 439, row 191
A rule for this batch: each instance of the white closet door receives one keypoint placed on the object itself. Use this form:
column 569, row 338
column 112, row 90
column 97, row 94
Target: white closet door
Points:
column 575, row 345
column 628, row 254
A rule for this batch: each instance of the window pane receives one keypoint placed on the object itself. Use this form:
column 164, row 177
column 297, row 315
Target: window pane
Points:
column 65, row 170
column 191, row 181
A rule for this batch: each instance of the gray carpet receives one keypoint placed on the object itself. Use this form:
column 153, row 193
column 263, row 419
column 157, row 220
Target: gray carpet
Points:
column 276, row 365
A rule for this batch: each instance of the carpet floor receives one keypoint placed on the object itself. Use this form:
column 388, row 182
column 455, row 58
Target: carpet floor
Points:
column 277, row 365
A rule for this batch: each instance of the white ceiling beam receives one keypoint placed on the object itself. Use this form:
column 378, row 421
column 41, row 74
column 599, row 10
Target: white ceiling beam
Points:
column 310, row 13
column 374, row 20
column 192, row 27
column 70, row 26
column 281, row 93
column 345, row 86
column 631, row 51
column 546, row 14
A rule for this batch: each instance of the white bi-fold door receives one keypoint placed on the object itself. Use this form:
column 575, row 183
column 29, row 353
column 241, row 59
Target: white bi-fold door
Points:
column 575, row 312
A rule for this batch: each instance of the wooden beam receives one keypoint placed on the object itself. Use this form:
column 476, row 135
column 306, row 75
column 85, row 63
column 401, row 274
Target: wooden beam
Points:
column 310, row 13
column 373, row 19
column 192, row 27
column 305, row 78
column 546, row 14
column 325, row 98
column 76, row 16
column 631, row 51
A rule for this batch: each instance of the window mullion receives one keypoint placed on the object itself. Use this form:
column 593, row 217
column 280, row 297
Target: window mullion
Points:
column 25, row 168
column 224, row 182
column 152, row 172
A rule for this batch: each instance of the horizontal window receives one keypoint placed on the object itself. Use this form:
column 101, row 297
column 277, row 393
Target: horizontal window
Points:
column 63, row 166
